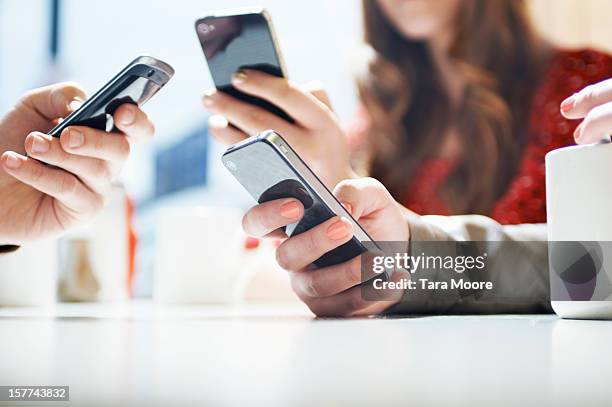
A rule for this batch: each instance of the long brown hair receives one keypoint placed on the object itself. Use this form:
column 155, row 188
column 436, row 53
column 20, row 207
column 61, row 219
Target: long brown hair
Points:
column 499, row 60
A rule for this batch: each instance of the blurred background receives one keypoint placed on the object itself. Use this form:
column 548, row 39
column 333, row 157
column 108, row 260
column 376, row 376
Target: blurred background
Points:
column 45, row 41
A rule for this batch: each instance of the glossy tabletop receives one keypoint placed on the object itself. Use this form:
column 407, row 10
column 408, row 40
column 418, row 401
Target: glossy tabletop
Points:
column 140, row 353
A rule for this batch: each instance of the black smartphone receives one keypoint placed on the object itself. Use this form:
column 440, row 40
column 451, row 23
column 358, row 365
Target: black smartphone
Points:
column 241, row 38
column 135, row 84
column 268, row 168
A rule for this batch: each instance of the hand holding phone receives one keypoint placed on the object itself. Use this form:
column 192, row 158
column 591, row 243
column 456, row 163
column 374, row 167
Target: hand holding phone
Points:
column 65, row 177
column 136, row 84
column 320, row 229
column 233, row 40
column 269, row 169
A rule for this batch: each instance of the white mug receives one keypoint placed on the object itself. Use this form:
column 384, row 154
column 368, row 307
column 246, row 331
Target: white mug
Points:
column 199, row 255
column 579, row 217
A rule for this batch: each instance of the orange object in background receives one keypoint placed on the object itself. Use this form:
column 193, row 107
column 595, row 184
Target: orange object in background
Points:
column 132, row 241
column 251, row 243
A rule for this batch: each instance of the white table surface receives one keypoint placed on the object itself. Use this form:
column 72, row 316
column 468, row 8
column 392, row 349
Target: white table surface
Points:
column 276, row 354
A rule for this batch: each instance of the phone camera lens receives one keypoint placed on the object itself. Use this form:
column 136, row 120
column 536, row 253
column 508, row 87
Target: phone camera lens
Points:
column 207, row 28
column 150, row 73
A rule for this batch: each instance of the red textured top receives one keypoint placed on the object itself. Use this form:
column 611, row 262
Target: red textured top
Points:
column 525, row 199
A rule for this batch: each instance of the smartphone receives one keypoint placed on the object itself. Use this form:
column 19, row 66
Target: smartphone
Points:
column 268, row 168
column 241, row 38
column 136, row 84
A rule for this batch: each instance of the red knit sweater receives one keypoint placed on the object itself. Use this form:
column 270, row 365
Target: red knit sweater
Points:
column 525, row 199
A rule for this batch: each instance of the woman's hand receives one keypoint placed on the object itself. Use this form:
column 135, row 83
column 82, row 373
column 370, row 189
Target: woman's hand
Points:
column 334, row 290
column 42, row 201
column 316, row 134
column 593, row 104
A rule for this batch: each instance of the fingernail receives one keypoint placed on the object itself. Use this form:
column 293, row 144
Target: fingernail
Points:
column 578, row 133
column 75, row 103
column 39, row 145
column 240, row 77
column 12, row 162
column 207, row 99
column 568, row 104
column 75, row 139
column 251, row 243
column 337, row 231
column 127, row 116
column 290, row 210
column 217, row 121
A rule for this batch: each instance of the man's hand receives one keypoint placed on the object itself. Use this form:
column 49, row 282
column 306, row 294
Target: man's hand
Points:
column 38, row 200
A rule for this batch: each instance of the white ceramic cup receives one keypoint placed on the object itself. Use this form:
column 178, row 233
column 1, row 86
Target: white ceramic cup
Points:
column 198, row 255
column 579, row 209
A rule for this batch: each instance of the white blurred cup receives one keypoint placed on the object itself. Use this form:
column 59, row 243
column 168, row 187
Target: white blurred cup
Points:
column 28, row 276
column 199, row 255
column 579, row 211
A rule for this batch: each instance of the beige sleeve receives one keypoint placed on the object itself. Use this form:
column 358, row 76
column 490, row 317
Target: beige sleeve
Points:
column 517, row 264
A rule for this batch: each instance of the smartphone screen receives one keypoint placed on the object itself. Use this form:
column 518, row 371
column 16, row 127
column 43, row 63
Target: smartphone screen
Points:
column 240, row 41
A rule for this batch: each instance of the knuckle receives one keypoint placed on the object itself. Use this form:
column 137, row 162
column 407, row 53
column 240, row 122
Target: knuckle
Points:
column 67, row 185
column 313, row 286
column 352, row 270
column 27, row 96
column 346, row 188
column 102, row 170
column 98, row 144
column 282, row 258
column 311, row 243
column 64, row 92
column 284, row 88
column 354, row 303
column 124, row 148
column 252, row 117
column 36, row 173
column 588, row 94
column 266, row 223
column 150, row 128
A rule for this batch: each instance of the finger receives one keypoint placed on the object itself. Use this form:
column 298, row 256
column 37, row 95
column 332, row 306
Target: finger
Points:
column 299, row 104
column 267, row 217
column 353, row 302
column 95, row 173
column 57, row 183
column 55, row 101
column 362, row 195
column 301, row 250
column 596, row 125
column 348, row 303
column 220, row 129
column 88, row 142
column 579, row 104
column 247, row 117
column 327, row 281
column 316, row 89
column 133, row 122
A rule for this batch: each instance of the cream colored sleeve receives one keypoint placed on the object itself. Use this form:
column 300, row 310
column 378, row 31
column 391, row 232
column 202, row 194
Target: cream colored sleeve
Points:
column 517, row 264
